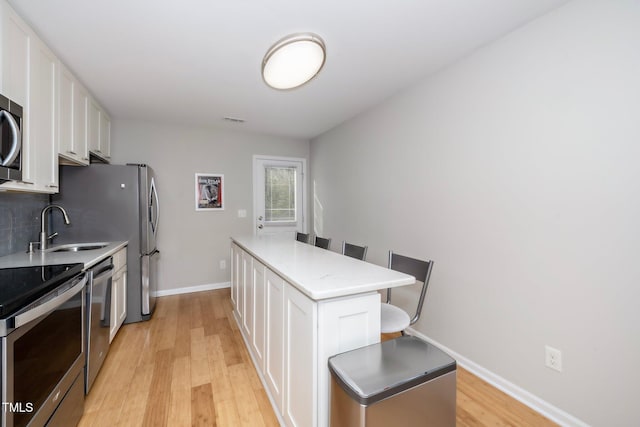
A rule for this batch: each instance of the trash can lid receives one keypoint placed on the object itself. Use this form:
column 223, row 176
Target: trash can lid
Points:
column 375, row 372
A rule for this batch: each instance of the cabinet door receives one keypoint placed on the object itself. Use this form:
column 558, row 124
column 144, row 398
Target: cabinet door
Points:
column 344, row 324
column 93, row 130
column 121, row 312
column 81, row 123
column 235, row 266
column 258, row 313
column 300, row 359
column 105, row 135
column 43, row 115
column 240, row 288
column 29, row 77
column 113, row 314
column 247, row 288
column 16, row 39
column 72, row 138
column 16, row 36
column 118, row 292
column 274, row 351
column 66, row 88
column 118, row 310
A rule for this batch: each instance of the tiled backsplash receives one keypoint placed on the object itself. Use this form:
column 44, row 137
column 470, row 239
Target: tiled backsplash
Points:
column 19, row 220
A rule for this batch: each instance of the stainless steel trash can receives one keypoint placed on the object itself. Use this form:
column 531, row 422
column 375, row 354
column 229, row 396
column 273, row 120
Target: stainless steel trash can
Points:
column 401, row 382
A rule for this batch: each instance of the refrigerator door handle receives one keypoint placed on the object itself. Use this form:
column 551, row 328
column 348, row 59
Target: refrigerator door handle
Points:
column 154, row 219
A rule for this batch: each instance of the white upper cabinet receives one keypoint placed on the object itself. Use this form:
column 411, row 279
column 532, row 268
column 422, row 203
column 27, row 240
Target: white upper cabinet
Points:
column 43, row 119
column 60, row 118
column 99, row 131
column 81, row 122
column 29, row 77
column 72, row 119
column 16, row 39
column 105, row 135
column 16, row 36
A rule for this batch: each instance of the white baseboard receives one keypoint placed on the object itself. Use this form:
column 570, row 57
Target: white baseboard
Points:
column 534, row 402
column 190, row 289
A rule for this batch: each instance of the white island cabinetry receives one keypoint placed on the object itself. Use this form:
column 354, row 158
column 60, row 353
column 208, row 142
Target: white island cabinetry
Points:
column 296, row 305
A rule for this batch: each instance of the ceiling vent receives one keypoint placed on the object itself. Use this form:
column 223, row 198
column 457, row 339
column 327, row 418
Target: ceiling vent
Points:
column 234, row 119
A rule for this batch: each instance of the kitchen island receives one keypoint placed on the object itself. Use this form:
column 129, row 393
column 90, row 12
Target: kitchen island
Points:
column 296, row 305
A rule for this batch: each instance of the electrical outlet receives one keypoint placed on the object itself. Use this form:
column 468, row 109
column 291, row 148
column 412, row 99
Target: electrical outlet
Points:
column 223, row 264
column 553, row 358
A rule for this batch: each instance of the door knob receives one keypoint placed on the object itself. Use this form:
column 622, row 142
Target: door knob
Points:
column 260, row 218
column 260, row 226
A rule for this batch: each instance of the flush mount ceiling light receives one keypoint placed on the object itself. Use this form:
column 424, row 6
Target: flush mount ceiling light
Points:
column 293, row 60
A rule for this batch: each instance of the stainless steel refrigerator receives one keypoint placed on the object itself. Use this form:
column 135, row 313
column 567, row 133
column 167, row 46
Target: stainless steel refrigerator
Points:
column 115, row 202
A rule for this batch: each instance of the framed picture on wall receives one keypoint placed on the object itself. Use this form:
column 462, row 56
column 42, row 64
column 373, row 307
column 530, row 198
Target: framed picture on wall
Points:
column 209, row 192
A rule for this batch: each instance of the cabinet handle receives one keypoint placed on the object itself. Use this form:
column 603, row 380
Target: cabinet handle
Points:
column 71, row 152
column 85, row 158
column 52, row 186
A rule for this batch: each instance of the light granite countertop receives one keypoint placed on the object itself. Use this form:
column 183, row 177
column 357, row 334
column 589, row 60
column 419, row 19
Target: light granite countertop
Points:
column 49, row 257
column 320, row 273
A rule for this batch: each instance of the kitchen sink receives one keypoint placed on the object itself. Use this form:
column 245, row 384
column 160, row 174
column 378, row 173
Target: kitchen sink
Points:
column 76, row 247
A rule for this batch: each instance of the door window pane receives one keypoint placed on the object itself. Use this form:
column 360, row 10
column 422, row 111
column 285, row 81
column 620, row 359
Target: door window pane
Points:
column 280, row 194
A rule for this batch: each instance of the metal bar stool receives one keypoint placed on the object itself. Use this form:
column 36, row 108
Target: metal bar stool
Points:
column 354, row 251
column 321, row 242
column 393, row 318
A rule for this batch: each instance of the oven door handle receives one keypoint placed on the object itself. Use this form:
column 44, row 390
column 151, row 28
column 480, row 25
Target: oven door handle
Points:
column 24, row 318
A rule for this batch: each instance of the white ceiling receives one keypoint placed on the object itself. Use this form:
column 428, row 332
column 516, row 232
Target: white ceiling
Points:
column 196, row 61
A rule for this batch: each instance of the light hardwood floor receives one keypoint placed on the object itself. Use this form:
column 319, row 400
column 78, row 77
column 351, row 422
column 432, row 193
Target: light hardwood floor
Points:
column 188, row 366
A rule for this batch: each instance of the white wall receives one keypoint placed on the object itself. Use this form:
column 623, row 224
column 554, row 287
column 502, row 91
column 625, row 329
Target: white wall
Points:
column 517, row 171
column 192, row 243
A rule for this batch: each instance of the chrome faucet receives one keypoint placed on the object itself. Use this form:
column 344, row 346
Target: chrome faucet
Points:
column 44, row 229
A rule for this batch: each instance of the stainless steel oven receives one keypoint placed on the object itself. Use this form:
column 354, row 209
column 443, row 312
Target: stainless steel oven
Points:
column 10, row 140
column 43, row 346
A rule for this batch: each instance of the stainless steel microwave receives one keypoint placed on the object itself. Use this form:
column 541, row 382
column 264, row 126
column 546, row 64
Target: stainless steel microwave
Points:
column 10, row 140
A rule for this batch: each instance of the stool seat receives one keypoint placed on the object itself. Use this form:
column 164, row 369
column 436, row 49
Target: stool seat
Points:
column 393, row 319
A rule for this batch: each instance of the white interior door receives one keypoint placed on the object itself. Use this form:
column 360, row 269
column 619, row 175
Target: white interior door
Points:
column 279, row 195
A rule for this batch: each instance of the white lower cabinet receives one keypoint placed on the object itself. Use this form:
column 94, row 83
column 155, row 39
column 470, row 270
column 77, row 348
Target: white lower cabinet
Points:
column 300, row 373
column 258, row 309
column 247, row 296
column 274, row 342
column 118, row 292
column 291, row 336
column 344, row 324
column 235, row 273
